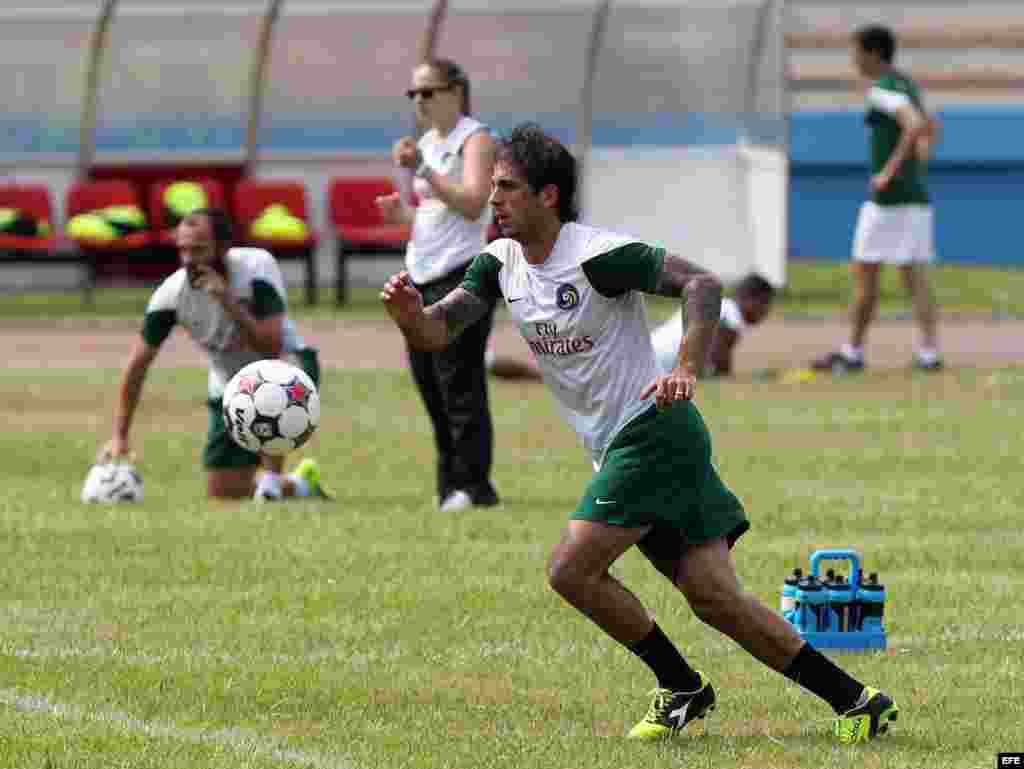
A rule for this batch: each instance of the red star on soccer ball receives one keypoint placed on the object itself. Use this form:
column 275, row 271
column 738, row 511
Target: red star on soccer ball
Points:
column 248, row 384
column 297, row 392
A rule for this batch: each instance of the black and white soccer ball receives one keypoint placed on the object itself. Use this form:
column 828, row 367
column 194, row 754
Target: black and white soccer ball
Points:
column 110, row 482
column 271, row 407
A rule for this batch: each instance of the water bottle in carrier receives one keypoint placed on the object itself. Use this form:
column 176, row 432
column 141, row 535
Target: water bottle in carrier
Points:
column 812, row 597
column 872, row 602
column 788, row 604
column 840, row 598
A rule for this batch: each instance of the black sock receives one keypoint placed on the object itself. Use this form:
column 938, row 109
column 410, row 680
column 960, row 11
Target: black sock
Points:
column 818, row 674
column 668, row 664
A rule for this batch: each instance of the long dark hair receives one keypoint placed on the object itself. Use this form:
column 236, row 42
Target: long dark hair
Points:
column 453, row 74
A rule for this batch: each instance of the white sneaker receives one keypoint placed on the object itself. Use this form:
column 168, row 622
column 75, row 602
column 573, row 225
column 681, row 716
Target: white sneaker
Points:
column 456, row 502
column 268, row 488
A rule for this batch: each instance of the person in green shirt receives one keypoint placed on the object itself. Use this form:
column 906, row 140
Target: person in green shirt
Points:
column 576, row 292
column 896, row 225
column 232, row 302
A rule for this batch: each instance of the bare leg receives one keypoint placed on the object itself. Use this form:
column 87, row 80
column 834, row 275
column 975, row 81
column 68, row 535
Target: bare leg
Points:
column 231, row 482
column 578, row 571
column 707, row 577
column 865, row 300
column 915, row 280
column 705, row 574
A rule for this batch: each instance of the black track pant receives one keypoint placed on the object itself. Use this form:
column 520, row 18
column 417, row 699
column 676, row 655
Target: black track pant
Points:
column 453, row 385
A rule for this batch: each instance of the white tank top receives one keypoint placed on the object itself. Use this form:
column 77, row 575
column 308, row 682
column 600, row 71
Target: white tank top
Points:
column 442, row 239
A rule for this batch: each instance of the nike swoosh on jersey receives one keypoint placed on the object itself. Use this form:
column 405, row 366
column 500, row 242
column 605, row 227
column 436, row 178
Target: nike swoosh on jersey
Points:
column 516, row 299
column 605, row 501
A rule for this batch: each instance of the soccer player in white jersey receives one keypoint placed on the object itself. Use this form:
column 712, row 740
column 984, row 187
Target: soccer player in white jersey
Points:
column 576, row 293
column 752, row 302
column 232, row 302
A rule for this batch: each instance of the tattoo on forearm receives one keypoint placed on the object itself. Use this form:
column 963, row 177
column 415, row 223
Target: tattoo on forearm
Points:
column 702, row 290
column 459, row 310
column 704, row 299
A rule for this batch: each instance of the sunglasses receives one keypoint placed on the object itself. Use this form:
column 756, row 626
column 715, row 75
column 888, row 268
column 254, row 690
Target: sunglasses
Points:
column 427, row 93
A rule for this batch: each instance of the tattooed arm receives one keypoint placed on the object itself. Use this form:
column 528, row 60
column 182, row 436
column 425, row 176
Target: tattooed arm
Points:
column 701, row 293
column 459, row 310
column 435, row 327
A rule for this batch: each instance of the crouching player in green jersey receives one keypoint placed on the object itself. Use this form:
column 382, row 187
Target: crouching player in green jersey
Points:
column 232, row 302
column 576, row 293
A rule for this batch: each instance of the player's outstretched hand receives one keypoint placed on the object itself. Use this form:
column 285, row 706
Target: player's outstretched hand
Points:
column 402, row 300
column 405, row 153
column 390, row 207
column 679, row 385
column 880, row 181
column 115, row 448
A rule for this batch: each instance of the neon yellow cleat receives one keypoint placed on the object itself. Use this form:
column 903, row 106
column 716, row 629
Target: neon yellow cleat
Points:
column 671, row 711
column 309, row 470
column 867, row 720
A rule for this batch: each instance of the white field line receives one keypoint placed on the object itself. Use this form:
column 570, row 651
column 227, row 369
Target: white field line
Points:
column 236, row 739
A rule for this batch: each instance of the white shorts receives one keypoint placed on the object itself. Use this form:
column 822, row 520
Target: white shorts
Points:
column 894, row 234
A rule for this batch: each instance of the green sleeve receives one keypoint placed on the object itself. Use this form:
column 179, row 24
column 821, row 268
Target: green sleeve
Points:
column 157, row 326
column 265, row 300
column 632, row 267
column 481, row 278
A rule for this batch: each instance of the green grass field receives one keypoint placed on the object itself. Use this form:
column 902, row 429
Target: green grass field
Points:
column 814, row 288
column 374, row 632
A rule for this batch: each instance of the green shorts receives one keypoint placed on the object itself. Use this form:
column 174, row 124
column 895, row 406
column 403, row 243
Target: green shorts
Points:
column 657, row 471
column 221, row 451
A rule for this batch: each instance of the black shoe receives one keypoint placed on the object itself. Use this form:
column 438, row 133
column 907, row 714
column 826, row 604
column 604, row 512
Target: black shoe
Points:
column 867, row 720
column 671, row 711
column 485, row 497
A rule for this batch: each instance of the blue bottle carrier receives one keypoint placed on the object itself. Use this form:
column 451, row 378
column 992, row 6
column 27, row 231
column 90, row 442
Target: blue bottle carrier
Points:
column 836, row 613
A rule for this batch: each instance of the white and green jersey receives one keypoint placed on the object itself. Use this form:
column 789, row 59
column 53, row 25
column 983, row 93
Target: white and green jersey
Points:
column 583, row 315
column 255, row 278
column 890, row 93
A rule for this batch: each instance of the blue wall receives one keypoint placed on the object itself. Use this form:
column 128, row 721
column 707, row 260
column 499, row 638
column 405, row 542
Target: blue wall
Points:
column 975, row 178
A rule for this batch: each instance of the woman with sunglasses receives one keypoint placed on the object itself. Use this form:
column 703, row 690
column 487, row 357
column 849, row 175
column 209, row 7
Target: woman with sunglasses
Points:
column 452, row 164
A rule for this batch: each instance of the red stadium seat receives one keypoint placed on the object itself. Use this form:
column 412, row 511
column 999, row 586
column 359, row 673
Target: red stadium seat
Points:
column 163, row 234
column 90, row 195
column 359, row 227
column 34, row 200
column 252, row 197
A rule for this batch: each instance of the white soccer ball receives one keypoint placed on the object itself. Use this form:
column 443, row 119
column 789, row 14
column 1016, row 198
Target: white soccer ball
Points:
column 111, row 482
column 271, row 407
